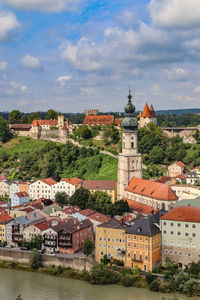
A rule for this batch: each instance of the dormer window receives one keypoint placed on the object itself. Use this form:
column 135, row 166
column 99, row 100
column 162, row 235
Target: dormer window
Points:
column 139, row 229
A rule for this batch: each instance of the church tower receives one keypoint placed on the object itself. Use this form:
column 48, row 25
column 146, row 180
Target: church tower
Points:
column 129, row 161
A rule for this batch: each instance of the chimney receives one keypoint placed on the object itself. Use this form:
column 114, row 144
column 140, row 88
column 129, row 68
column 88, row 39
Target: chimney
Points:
column 122, row 222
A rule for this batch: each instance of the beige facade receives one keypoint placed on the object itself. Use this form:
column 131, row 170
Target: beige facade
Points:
column 185, row 191
column 39, row 189
column 180, row 241
column 63, row 186
column 144, row 121
column 30, row 232
column 89, row 112
column 4, row 189
column 176, row 169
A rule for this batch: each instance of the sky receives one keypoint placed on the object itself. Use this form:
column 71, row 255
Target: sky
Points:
column 71, row 55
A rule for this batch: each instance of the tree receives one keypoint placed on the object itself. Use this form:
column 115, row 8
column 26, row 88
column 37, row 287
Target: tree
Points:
column 101, row 275
column 35, row 260
column 15, row 117
column 5, row 133
column 51, row 115
column 120, row 207
column 61, row 198
column 156, row 155
column 84, row 132
column 88, row 246
column 33, row 116
column 80, row 198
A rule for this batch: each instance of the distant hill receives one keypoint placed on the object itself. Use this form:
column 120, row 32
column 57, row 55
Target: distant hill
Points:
column 178, row 111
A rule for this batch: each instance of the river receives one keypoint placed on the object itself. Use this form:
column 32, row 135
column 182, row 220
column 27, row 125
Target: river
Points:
column 34, row 286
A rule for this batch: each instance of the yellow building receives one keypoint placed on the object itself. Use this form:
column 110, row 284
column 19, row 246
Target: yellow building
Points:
column 143, row 244
column 107, row 186
column 110, row 241
column 4, row 220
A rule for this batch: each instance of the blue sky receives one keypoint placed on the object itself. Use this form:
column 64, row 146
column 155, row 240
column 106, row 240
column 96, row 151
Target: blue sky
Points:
column 71, row 55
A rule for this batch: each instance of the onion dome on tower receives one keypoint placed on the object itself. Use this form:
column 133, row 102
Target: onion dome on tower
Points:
column 130, row 122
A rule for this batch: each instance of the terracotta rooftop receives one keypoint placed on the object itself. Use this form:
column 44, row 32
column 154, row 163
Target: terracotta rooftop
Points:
column 71, row 210
column 98, row 120
column 146, row 112
column 181, row 176
column 27, row 209
column 73, row 180
column 180, row 163
column 22, row 194
column 164, row 179
column 139, row 207
column 23, row 127
column 99, row 217
column 2, row 178
column 99, row 184
column 43, row 225
column 153, row 113
column 37, row 123
column 118, row 122
column 49, row 181
column 5, row 218
column 183, row 213
column 151, row 189
column 86, row 212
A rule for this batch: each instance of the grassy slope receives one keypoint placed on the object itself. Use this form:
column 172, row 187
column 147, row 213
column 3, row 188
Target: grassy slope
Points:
column 107, row 171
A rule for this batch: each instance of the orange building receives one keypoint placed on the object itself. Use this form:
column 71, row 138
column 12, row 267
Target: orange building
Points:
column 143, row 244
column 23, row 186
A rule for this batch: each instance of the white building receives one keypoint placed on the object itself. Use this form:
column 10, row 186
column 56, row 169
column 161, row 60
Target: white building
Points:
column 4, row 189
column 41, row 189
column 19, row 198
column 66, row 185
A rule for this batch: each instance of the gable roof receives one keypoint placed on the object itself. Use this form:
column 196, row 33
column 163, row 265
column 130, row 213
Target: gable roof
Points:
column 43, row 225
column 112, row 223
column 74, row 180
column 23, row 127
column 146, row 112
column 183, row 213
column 22, row 194
column 144, row 226
column 49, row 181
column 180, row 163
column 5, row 218
column 99, row 184
column 86, row 212
column 98, row 119
column 37, row 123
column 99, row 217
column 151, row 189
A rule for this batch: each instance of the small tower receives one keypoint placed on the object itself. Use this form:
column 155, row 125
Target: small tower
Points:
column 129, row 161
column 147, row 116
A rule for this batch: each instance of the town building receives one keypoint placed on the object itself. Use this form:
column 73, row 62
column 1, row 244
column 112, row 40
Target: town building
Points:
column 89, row 112
column 66, row 185
column 143, row 244
column 107, row 186
column 18, row 226
column 72, row 233
column 154, row 194
column 4, row 189
column 147, row 116
column 186, row 191
column 41, row 189
column 14, row 188
column 19, row 198
column 110, row 240
column 176, row 168
column 180, row 238
column 24, row 186
column 50, row 238
column 129, row 161
column 5, row 219
column 192, row 177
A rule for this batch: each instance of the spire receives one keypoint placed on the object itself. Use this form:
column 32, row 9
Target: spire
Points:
column 153, row 113
column 146, row 112
column 129, row 122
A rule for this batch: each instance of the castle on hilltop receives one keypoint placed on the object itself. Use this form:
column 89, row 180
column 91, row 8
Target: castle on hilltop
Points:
column 147, row 116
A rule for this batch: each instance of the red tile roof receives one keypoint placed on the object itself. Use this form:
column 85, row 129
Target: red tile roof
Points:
column 98, row 120
column 180, row 163
column 99, row 184
column 146, row 112
column 22, row 127
column 5, row 218
column 183, row 213
column 22, row 194
column 2, row 203
column 139, row 207
column 151, row 189
column 2, row 178
column 181, row 176
column 49, row 181
column 37, row 123
column 86, row 212
column 43, row 225
column 118, row 122
column 99, row 217
column 71, row 210
column 153, row 113
column 74, row 180
column 164, row 179
column 27, row 209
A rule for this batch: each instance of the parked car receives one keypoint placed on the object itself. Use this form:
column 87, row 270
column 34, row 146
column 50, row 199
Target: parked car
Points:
column 24, row 248
column 51, row 253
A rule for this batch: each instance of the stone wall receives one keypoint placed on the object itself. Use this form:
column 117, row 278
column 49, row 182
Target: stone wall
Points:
column 77, row 262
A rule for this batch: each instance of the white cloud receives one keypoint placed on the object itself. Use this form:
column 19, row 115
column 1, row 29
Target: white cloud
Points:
column 62, row 79
column 31, row 62
column 3, row 65
column 197, row 90
column 155, row 88
column 175, row 13
column 177, row 74
column 8, row 24
column 43, row 5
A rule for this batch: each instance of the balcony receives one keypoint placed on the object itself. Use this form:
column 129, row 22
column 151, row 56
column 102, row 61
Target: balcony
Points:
column 50, row 238
column 137, row 260
column 50, row 245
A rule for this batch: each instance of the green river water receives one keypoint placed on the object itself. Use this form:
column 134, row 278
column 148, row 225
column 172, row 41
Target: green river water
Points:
column 34, row 286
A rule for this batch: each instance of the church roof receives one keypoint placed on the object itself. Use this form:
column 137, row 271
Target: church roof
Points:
column 146, row 112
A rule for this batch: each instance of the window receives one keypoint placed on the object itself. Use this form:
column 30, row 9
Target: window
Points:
column 179, row 233
column 171, row 232
column 170, row 252
column 194, row 234
column 186, row 234
column 134, row 237
column 179, row 224
column 164, row 231
column 134, row 245
column 166, row 251
column 140, row 246
column 164, row 223
column 172, row 224
column 186, row 225
column 140, row 238
column 146, row 239
column 189, row 254
column 180, row 253
column 193, row 226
